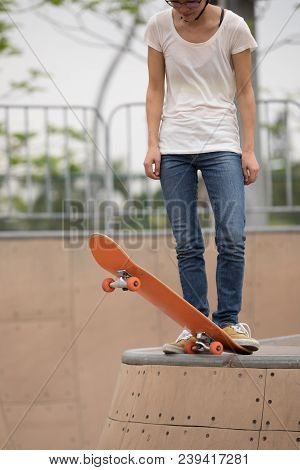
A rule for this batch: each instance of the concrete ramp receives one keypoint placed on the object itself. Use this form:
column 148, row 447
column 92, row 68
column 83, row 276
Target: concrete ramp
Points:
column 207, row 402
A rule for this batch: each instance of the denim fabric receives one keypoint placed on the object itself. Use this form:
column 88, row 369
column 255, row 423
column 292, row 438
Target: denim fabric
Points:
column 223, row 177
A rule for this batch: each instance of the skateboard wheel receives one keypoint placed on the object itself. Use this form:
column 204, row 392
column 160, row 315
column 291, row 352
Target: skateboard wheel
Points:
column 106, row 284
column 188, row 347
column 216, row 347
column 133, row 283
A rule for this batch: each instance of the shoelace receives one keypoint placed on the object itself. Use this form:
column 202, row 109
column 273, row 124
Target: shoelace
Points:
column 184, row 335
column 242, row 328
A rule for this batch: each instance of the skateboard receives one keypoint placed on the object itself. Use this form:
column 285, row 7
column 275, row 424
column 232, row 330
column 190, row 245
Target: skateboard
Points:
column 128, row 276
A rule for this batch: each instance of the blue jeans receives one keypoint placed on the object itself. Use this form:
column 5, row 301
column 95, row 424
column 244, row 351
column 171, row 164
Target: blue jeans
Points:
column 223, row 177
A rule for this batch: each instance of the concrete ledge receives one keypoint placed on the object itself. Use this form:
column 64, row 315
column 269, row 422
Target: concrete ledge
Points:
column 275, row 353
column 195, row 406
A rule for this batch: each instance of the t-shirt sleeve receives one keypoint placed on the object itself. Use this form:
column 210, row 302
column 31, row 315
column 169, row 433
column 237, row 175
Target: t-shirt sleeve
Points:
column 242, row 38
column 151, row 35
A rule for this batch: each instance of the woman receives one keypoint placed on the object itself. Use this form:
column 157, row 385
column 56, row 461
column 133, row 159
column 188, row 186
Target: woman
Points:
column 205, row 53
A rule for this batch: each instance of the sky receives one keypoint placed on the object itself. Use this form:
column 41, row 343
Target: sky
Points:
column 77, row 69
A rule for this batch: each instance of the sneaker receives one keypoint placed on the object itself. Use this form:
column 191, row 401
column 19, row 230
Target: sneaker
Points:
column 177, row 347
column 241, row 333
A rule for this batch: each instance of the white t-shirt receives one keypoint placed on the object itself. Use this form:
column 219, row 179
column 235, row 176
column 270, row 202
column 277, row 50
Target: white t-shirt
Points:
column 199, row 114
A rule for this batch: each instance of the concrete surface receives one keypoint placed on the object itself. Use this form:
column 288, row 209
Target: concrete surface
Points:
column 279, row 353
column 61, row 337
column 207, row 402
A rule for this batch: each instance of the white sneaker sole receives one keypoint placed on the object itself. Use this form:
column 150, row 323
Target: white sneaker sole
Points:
column 251, row 344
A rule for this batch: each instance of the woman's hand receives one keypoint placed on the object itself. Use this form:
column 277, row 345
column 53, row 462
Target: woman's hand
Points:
column 250, row 167
column 153, row 157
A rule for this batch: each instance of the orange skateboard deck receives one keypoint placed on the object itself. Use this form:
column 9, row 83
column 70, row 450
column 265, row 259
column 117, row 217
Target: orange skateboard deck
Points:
column 111, row 257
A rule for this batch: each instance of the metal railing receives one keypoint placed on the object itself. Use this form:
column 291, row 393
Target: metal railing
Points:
column 47, row 162
column 281, row 142
column 50, row 179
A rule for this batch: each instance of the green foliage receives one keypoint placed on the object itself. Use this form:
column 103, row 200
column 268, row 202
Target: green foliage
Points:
column 57, row 3
column 70, row 132
column 35, row 73
column 279, row 195
column 19, row 204
column 16, row 160
column 92, row 5
column 279, row 185
column 17, row 139
column 84, row 4
column 6, row 48
column 251, row 25
column 129, row 6
column 20, row 138
column 25, row 86
column 132, row 7
column 277, row 129
column 7, row 5
column 46, row 171
column 5, row 27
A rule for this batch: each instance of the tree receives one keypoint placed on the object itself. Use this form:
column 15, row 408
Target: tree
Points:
column 8, row 49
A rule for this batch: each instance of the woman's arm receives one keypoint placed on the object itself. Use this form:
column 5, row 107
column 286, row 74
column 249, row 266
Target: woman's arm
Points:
column 154, row 106
column 247, row 107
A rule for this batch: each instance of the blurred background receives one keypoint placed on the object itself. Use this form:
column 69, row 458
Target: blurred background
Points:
column 73, row 138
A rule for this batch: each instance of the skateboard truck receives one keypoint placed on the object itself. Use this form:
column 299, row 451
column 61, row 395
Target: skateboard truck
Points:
column 125, row 282
column 204, row 343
